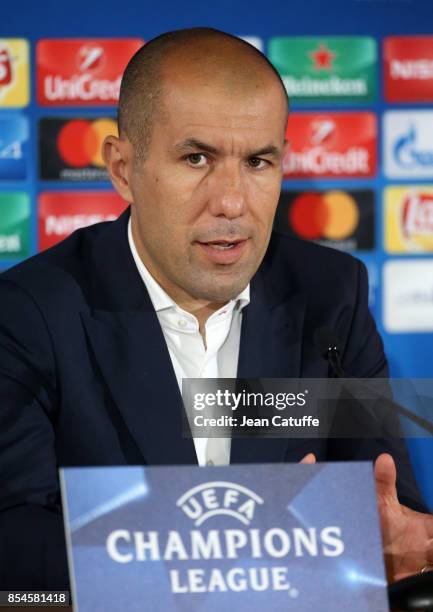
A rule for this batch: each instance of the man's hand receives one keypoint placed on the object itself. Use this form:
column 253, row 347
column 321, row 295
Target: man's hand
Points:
column 407, row 535
column 310, row 458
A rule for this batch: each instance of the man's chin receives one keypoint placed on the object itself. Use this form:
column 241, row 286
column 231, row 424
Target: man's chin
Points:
column 220, row 292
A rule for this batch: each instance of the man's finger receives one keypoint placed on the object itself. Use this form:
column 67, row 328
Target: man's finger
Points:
column 385, row 475
column 310, row 458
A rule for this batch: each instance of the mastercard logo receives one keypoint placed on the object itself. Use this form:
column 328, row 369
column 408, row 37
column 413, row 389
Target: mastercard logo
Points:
column 333, row 215
column 79, row 141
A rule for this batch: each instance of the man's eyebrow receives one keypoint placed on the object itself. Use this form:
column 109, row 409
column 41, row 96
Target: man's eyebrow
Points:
column 269, row 150
column 193, row 143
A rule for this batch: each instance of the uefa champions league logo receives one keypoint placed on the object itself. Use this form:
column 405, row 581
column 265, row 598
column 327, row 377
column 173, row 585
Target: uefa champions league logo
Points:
column 219, row 498
column 211, row 558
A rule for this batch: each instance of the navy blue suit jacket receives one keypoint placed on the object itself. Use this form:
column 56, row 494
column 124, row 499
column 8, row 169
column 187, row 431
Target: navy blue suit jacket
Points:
column 86, row 378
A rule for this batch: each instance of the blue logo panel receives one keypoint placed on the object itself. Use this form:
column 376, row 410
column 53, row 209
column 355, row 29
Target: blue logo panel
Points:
column 245, row 538
column 14, row 137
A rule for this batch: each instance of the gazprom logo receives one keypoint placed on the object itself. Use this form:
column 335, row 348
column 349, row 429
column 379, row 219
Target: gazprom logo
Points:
column 408, row 144
column 219, row 498
column 407, row 154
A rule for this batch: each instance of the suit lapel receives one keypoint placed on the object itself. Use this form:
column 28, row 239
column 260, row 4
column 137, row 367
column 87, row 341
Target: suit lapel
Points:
column 129, row 347
column 131, row 352
column 271, row 345
column 271, row 338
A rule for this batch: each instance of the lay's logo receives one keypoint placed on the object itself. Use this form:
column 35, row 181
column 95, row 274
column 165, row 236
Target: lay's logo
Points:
column 14, row 72
column 409, row 219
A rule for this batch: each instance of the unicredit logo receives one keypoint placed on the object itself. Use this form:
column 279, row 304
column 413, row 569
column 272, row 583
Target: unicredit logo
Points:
column 322, row 131
column 408, row 155
column 86, row 72
column 317, row 161
column 90, row 57
column 331, row 144
column 83, row 87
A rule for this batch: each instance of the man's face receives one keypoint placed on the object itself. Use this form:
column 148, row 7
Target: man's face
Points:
column 204, row 198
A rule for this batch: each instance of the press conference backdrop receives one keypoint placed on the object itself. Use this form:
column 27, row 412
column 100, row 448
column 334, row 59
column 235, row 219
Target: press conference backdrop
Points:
column 359, row 176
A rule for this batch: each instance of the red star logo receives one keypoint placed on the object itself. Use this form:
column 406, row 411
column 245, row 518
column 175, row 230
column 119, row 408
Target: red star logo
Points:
column 322, row 58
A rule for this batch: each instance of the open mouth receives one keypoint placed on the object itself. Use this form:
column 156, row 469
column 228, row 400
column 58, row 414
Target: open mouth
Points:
column 221, row 245
column 224, row 251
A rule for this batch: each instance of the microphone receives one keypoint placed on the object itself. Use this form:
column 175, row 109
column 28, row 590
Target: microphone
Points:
column 328, row 345
column 412, row 593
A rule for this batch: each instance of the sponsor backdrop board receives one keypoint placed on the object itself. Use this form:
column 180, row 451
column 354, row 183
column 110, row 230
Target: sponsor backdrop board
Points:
column 61, row 213
column 81, row 72
column 331, row 145
column 340, row 219
column 207, row 539
column 14, row 147
column 359, row 174
column 70, row 148
column 326, row 70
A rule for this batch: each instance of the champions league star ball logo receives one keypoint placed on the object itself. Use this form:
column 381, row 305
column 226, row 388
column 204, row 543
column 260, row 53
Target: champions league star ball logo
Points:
column 219, row 498
column 227, row 557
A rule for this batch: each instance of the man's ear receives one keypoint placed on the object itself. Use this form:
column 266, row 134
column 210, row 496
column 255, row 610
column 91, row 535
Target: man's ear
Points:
column 117, row 154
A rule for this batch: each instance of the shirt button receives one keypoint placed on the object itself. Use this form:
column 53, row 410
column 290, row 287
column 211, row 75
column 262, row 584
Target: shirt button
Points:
column 182, row 323
column 209, row 462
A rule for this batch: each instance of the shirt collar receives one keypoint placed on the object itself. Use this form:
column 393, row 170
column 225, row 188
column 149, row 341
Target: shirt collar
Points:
column 159, row 298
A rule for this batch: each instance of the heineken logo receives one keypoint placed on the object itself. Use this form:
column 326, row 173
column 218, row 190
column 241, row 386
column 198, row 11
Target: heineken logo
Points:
column 15, row 216
column 322, row 58
column 337, row 69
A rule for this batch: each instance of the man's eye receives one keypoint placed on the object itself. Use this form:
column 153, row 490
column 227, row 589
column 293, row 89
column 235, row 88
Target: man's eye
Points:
column 257, row 162
column 198, row 160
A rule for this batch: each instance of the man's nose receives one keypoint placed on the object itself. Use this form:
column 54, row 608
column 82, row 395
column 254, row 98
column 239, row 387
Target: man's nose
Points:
column 227, row 198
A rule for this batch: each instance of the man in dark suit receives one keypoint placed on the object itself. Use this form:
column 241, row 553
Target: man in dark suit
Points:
column 89, row 349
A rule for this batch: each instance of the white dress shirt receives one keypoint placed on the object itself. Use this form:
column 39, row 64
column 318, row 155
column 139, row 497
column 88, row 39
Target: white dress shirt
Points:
column 188, row 354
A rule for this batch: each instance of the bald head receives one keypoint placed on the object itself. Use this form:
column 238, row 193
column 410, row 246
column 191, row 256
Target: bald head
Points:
column 197, row 57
